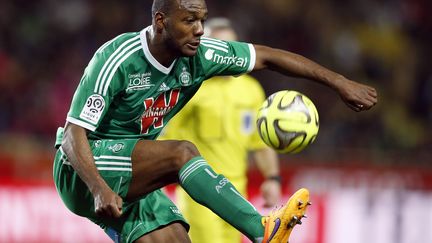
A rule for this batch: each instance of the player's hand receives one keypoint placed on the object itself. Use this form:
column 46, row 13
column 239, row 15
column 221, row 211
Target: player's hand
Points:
column 108, row 203
column 358, row 97
column 271, row 192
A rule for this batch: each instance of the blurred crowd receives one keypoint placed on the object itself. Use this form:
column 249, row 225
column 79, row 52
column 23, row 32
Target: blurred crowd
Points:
column 46, row 44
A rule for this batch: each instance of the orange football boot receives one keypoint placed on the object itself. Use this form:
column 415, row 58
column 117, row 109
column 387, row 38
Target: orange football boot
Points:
column 279, row 224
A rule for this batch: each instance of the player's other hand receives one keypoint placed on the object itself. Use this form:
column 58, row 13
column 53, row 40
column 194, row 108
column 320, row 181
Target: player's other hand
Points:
column 108, row 203
column 271, row 192
column 358, row 97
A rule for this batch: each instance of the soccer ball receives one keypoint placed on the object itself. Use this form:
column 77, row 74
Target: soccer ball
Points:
column 288, row 121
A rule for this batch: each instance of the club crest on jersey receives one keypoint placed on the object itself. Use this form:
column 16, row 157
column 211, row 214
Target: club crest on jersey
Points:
column 155, row 110
column 185, row 77
column 93, row 108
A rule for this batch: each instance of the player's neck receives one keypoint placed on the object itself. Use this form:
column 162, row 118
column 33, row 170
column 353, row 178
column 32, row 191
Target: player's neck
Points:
column 159, row 50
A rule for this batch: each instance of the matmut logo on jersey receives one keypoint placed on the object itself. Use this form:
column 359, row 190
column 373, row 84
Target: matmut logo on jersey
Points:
column 211, row 55
column 219, row 57
column 155, row 110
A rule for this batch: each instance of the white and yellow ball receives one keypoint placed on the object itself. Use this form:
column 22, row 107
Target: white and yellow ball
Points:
column 288, row 121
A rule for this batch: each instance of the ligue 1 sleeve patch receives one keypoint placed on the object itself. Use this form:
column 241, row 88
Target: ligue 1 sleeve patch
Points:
column 93, row 109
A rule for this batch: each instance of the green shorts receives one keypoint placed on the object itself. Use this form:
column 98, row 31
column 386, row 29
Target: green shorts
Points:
column 113, row 160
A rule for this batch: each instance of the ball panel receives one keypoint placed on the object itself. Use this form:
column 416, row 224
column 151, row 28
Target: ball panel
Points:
column 296, row 105
column 288, row 121
column 263, row 129
column 288, row 139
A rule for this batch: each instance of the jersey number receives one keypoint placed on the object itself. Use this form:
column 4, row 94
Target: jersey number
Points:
column 155, row 110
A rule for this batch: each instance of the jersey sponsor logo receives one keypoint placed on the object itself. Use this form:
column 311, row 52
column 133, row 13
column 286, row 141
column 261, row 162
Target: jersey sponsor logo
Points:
column 185, row 77
column 175, row 210
column 139, row 81
column 116, row 147
column 209, row 54
column 163, row 87
column 155, row 110
column 221, row 184
column 97, row 143
column 93, row 108
column 213, row 56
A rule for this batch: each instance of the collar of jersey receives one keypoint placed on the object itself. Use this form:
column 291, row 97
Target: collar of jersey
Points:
column 148, row 54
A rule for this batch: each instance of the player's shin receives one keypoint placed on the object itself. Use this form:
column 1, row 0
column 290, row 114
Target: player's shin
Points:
column 218, row 194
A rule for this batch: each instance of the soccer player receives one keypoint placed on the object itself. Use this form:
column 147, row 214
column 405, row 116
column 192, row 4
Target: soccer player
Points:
column 220, row 121
column 108, row 166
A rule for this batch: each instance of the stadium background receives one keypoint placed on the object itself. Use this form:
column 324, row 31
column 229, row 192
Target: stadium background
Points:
column 370, row 173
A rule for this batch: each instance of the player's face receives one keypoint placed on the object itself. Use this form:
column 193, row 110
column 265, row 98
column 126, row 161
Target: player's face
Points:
column 185, row 26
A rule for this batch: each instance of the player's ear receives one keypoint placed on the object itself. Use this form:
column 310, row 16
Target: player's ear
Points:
column 159, row 20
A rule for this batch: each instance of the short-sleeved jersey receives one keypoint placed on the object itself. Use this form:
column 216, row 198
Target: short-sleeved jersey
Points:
column 220, row 121
column 126, row 93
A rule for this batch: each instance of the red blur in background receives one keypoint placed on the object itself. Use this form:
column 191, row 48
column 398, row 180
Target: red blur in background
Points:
column 350, row 204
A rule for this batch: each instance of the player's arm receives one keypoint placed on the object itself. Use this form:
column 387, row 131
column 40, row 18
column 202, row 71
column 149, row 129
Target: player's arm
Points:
column 75, row 145
column 355, row 95
column 267, row 162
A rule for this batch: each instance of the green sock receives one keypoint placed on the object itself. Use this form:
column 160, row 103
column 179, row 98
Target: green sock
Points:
column 218, row 194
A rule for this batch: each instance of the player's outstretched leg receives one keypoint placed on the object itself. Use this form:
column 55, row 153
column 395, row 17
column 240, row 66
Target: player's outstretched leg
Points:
column 218, row 194
column 279, row 224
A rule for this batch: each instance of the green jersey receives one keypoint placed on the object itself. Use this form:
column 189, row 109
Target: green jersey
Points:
column 126, row 93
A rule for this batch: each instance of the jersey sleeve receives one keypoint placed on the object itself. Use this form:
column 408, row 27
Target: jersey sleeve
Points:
column 93, row 94
column 219, row 58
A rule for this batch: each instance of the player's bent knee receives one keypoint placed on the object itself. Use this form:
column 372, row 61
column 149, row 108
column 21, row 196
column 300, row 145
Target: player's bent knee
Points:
column 185, row 151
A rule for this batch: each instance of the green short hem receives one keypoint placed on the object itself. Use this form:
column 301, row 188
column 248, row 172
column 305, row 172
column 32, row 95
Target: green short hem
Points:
column 140, row 231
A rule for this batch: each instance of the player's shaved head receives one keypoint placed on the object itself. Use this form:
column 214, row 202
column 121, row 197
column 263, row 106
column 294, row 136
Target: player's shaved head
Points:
column 164, row 6
column 167, row 6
